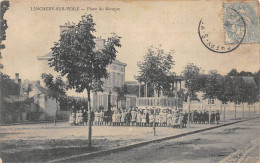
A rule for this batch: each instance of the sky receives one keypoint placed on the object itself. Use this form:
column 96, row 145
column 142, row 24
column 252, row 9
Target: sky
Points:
column 171, row 24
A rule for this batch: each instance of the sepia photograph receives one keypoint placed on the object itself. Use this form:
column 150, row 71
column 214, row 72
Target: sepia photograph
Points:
column 129, row 81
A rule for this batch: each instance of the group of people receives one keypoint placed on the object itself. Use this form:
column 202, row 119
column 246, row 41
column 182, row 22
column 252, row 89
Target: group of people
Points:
column 140, row 117
column 204, row 117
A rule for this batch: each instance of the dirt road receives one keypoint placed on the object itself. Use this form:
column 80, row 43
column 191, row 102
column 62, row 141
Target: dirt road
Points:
column 209, row 146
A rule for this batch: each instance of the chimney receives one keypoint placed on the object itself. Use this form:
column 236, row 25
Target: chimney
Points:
column 64, row 28
column 16, row 77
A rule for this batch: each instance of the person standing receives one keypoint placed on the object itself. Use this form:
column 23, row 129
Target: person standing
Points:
column 147, row 118
column 180, row 120
column 123, row 117
column 72, row 118
column 80, row 117
column 96, row 118
column 217, row 116
column 77, row 118
column 101, row 120
column 169, row 119
column 92, row 116
column 143, row 119
column 133, row 117
column 151, row 117
column 212, row 118
column 128, row 117
column 185, row 119
column 85, row 117
column 118, row 117
column 114, row 118
column 161, row 118
column 138, row 118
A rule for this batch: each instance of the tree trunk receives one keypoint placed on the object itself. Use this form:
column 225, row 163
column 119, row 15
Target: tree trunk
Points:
column 243, row 110
column 235, row 112
column 89, row 120
column 249, row 110
column 188, row 110
column 224, row 112
column 1, row 109
column 154, row 114
column 54, row 120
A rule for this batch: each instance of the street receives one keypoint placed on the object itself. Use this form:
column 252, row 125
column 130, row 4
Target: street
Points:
column 209, row 146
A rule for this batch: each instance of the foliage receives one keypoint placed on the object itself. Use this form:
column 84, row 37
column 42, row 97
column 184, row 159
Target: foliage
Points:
column 226, row 90
column 75, row 57
column 233, row 72
column 8, row 86
column 194, row 80
column 212, row 87
column 4, row 6
column 155, row 70
column 57, row 88
column 121, row 92
column 66, row 103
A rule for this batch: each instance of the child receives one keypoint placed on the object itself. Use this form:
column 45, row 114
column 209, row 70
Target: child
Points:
column 138, row 118
column 77, row 118
column 151, row 119
column 123, row 118
column 96, row 118
column 169, row 119
column 80, row 121
column 143, row 119
column 72, row 119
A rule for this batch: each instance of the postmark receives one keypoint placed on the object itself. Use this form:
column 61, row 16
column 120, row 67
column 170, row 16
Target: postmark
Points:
column 248, row 11
column 237, row 27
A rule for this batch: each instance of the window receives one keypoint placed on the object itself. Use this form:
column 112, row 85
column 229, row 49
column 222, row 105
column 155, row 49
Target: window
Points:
column 210, row 101
column 113, row 79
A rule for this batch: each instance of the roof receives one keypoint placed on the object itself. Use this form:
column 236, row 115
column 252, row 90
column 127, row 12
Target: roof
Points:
column 14, row 99
column 49, row 55
column 45, row 57
column 249, row 80
column 40, row 88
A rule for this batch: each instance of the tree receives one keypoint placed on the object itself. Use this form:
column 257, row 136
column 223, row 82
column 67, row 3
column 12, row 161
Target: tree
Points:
column 226, row 91
column 76, row 58
column 156, row 69
column 121, row 92
column 251, row 94
column 212, row 87
column 257, row 78
column 4, row 6
column 233, row 72
column 57, row 89
column 8, row 86
column 193, row 82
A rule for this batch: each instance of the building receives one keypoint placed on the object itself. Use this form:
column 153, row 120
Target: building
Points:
column 40, row 105
column 147, row 97
column 116, row 78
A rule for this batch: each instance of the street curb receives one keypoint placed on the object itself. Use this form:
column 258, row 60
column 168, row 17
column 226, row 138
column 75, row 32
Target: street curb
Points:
column 25, row 123
column 85, row 156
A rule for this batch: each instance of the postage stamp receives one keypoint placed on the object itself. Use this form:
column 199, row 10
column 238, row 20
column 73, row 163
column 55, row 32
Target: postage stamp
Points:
column 248, row 12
